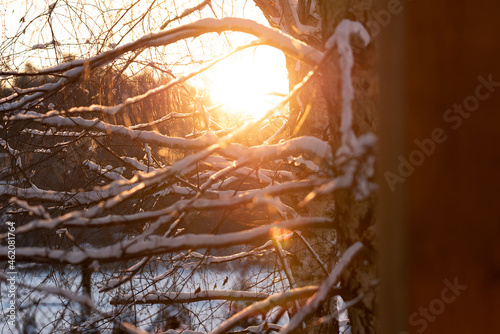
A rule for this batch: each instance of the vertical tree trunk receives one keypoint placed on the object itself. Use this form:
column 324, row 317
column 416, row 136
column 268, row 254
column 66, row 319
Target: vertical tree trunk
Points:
column 86, row 287
column 355, row 220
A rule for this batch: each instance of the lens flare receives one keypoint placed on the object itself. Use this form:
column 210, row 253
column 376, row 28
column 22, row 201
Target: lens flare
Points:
column 248, row 84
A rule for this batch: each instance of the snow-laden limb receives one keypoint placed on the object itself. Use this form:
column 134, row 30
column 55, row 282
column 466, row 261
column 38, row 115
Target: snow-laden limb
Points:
column 157, row 297
column 50, row 132
column 189, row 162
column 13, row 152
column 65, row 198
column 263, row 175
column 138, row 165
column 88, row 218
column 74, row 69
column 341, row 37
column 54, row 119
column 269, row 36
column 73, row 219
column 37, row 210
column 103, row 171
column 211, row 259
column 82, row 218
column 205, row 259
column 265, row 305
column 255, row 196
column 307, row 145
column 319, row 297
column 44, row 45
column 344, row 308
column 32, row 95
column 157, row 245
column 356, row 172
column 359, row 169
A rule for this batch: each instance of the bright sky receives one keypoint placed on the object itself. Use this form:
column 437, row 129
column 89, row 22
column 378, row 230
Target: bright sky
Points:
column 242, row 83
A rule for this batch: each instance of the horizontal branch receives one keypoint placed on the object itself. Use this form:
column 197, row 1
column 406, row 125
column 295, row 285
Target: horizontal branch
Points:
column 156, row 245
column 63, row 197
column 151, row 137
column 156, row 297
column 88, row 218
column 203, row 259
column 73, row 70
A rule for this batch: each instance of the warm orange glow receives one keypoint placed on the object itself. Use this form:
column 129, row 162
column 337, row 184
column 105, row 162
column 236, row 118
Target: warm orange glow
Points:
column 277, row 232
column 247, row 83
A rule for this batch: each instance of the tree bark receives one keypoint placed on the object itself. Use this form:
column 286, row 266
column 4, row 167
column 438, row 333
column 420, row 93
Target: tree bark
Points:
column 316, row 112
column 355, row 220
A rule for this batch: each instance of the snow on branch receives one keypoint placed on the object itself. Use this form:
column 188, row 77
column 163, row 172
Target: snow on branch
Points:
column 66, row 197
column 157, row 297
column 355, row 154
column 13, row 152
column 307, row 145
column 342, row 37
column 108, row 173
column 82, row 218
column 31, row 95
column 157, row 245
column 53, row 119
column 211, row 259
column 54, row 133
column 37, row 210
column 74, row 69
column 263, row 175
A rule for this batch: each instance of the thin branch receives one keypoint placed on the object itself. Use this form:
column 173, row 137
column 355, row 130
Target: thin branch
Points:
column 279, row 299
column 314, row 302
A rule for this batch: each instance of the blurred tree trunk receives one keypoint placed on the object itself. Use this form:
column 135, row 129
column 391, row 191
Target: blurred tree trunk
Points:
column 316, row 112
column 355, row 220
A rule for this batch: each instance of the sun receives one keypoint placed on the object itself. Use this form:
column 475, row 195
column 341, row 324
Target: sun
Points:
column 249, row 83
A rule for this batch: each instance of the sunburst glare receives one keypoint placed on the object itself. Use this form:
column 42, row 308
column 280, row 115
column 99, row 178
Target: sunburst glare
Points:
column 249, row 83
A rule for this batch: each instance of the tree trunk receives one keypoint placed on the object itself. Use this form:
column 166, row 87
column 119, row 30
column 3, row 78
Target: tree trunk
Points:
column 355, row 220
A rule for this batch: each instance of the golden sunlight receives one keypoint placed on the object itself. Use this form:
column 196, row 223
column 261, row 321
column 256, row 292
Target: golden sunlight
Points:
column 249, row 83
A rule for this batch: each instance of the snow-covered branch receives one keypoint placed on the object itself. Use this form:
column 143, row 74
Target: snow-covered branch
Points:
column 157, row 245
column 156, row 297
column 153, row 137
column 74, row 69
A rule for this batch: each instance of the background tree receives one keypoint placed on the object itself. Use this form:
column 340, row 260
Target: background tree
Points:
column 120, row 175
